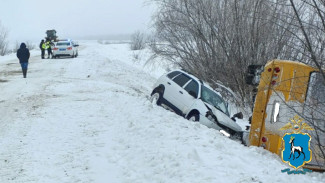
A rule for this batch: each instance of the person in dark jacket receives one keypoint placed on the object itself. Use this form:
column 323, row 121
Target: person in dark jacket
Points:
column 42, row 47
column 23, row 56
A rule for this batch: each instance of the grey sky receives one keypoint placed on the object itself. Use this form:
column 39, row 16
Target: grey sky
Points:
column 29, row 19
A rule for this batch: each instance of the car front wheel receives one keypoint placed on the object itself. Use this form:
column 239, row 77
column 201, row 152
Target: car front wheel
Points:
column 193, row 117
column 156, row 98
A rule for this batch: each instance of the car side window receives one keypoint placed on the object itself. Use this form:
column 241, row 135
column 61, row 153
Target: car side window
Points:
column 173, row 74
column 192, row 86
column 181, row 79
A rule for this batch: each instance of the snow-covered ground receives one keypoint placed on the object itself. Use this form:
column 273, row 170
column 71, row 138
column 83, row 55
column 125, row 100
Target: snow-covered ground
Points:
column 89, row 119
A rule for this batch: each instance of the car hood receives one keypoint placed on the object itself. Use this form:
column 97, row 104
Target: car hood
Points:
column 224, row 119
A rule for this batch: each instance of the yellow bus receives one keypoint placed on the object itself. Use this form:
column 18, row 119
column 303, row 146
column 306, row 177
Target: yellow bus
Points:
column 286, row 89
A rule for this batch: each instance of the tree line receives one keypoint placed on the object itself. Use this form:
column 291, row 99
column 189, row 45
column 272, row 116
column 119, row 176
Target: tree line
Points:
column 217, row 40
column 4, row 43
column 3, row 40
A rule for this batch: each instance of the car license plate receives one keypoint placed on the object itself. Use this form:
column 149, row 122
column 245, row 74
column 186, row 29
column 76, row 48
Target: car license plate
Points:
column 62, row 49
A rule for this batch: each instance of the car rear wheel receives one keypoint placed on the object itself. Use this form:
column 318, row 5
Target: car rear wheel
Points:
column 156, row 98
column 193, row 117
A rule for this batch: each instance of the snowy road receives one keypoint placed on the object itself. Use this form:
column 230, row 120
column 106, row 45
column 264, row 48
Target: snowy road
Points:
column 88, row 119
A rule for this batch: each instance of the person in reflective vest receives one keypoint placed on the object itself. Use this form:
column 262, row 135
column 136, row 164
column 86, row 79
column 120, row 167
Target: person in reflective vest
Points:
column 48, row 46
column 42, row 47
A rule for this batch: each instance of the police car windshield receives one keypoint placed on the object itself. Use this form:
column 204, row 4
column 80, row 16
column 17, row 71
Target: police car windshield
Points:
column 63, row 44
column 213, row 99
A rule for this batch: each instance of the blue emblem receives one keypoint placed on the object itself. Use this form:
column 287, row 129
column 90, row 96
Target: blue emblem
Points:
column 296, row 150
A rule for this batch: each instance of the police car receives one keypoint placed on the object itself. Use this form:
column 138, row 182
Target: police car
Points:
column 65, row 47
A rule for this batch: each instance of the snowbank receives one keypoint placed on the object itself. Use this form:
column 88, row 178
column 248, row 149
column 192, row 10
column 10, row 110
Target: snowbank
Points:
column 89, row 119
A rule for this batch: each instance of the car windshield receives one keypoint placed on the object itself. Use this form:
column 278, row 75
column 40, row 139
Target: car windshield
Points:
column 211, row 97
column 63, row 44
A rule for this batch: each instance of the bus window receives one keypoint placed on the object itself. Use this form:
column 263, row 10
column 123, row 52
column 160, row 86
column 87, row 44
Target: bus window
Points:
column 314, row 110
column 276, row 111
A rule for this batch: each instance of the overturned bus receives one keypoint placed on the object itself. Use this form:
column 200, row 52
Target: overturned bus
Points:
column 286, row 89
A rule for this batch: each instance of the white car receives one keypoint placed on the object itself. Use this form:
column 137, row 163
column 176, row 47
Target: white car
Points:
column 195, row 100
column 65, row 48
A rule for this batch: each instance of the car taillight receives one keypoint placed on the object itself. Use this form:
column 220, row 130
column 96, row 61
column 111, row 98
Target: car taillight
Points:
column 264, row 139
column 55, row 48
column 69, row 48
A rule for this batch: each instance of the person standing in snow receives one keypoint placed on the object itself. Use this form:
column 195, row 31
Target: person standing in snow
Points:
column 23, row 56
column 49, row 49
column 42, row 47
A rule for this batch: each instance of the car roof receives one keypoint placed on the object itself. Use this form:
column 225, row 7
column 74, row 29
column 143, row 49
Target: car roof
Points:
column 185, row 72
column 197, row 79
column 64, row 40
column 189, row 74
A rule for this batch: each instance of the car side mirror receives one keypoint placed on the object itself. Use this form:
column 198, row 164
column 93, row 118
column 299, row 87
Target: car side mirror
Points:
column 247, row 127
column 237, row 115
column 253, row 74
column 193, row 94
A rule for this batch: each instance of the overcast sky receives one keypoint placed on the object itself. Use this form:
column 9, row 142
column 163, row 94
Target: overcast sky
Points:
column 29, row 19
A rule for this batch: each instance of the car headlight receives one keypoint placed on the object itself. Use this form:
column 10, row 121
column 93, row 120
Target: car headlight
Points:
column 224, row 133
column 225, row 130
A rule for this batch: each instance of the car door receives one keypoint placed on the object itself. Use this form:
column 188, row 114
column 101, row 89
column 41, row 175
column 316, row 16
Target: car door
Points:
column 189, row 95
column 178, row 91
column 170, row 86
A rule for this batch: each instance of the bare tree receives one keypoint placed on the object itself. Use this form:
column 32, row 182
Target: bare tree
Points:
column 30, row 45
column 3, row 40
column 217, row 40
column 16, row 47
column 138, row 41
column 309, row 18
